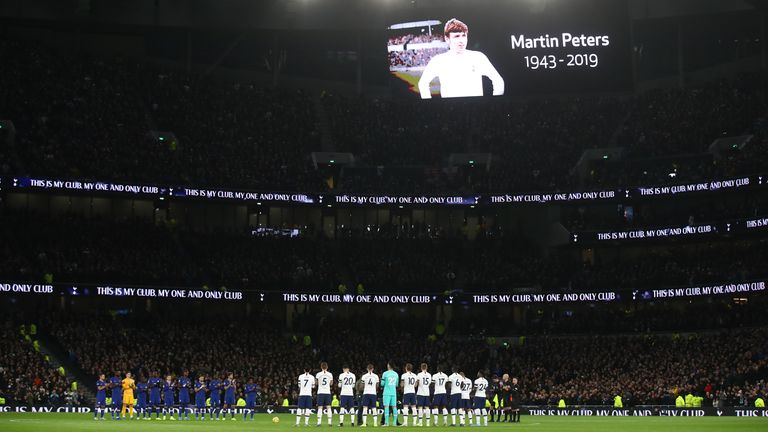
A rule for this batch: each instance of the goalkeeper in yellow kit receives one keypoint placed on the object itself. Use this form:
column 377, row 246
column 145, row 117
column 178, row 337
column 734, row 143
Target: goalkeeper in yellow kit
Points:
column 128, row 387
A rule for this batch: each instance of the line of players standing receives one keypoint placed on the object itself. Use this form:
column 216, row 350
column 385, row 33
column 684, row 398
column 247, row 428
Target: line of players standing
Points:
column 149, row 398
column 424, row 396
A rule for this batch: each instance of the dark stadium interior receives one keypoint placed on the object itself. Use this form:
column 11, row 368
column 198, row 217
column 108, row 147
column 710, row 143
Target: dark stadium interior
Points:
column 653, row 291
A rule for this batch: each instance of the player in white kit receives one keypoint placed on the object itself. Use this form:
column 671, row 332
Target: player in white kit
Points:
column 481, row 385
column 408, row 382
column 455, row 380
column 347, row 382
column 306, row 384
column 440, row 396
column 324, row 382
column 371, row 381
column 459, row 70
column 466, row 405
column 423, row 380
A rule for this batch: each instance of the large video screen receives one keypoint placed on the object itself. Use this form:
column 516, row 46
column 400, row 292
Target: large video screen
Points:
column 511, row 48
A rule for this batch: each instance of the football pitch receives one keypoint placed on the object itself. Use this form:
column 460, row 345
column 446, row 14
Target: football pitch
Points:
column 65, row 422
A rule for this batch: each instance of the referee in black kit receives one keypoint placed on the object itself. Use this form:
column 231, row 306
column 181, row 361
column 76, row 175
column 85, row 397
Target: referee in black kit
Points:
column 514, row 400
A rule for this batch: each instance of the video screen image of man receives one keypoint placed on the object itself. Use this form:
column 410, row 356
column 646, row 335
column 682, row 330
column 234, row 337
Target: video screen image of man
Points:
column 459, row 70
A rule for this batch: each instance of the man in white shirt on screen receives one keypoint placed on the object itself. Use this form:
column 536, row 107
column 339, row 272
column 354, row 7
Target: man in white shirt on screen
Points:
column 459, row 70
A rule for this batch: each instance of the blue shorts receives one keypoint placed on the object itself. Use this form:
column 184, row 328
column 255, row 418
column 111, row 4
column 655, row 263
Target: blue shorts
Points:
column 117, row 400
column 154, row 399
column 215, row 403
column 323, row 399
column 389, row 400
column 305, row 402
column 465, row 404
column 183, row 397
column 422, row 401
column 440, row 400
column 168, row 402
column 199, row 403
column 369, row 401
column 479, row 402
column 101, row 401
column 409, row 399
column 347, row 402
column 141, row 403
column 250, row 402
column 229, row 400
column 456, row 400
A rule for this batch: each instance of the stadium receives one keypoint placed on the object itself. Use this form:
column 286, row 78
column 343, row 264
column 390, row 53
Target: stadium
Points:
column 242, row 215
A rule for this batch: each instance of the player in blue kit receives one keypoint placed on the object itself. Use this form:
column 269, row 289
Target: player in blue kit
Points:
column 215, row 386
column 230, row 386
column 200, row 389
column 251, row 389
column 101, row 397
column 116, row 384
column 141, row 399
column 185, row 385
column 168, row 388
column 154, row 383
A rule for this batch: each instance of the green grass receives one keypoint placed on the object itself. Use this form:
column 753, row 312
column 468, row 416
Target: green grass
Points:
column 13, row 422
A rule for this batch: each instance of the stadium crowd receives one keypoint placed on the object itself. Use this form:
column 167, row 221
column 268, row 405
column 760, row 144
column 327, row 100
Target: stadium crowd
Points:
column 78, row 116
column 414, row 38
column 26, row 376
column 413, row 57
column 725, row 367
column 643, row 369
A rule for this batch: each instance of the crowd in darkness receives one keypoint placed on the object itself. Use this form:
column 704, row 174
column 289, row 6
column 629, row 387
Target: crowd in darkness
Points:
column 79, row 116
column 653, row 214
column 26, row 377
column 727, row 367
column 76, row 249
column 83, row 250
column 536, row 144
